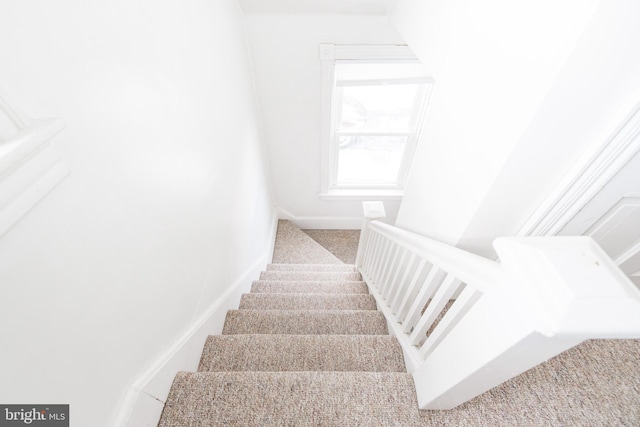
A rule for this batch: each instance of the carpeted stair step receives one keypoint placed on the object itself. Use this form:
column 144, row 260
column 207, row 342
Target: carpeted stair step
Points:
column 380, row 353
column 292, row 286
column 310, row 276
column 291, row 399
column 305, row 322
column 345, row 268
column 307, row 301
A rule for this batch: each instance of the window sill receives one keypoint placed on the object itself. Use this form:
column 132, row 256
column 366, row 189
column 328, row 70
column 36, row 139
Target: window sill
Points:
column 362, row 194
column 30, row 166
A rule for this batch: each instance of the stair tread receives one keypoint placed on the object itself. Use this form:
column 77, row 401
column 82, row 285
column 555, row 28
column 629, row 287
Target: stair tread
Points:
column 293, row 286
column 349, row 268
column 291, row 398
column 310, row 275
column 253, row 352
column 305, row 322
column 307, row 301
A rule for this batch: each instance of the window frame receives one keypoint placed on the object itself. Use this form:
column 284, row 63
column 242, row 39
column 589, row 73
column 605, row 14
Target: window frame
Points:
column 330, row 189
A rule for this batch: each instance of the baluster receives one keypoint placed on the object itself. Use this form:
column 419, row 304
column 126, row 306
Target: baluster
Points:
column 375, row 253
column 412, row 288
column 380, row 263
column 17, row 116
column 366, row 265
column 431, row 283
column 396, row 297
column 389, row 268
column 440, row 299
column 460, row 307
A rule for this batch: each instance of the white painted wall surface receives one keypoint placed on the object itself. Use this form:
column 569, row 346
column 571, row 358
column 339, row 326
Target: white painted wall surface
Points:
column 285, row 49
column 522, row 89
column 167, row 204
column 598, row 84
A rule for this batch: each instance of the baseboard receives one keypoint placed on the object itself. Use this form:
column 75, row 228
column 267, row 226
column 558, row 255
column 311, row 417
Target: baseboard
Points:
column 144, row 399
column 274, row 230
column 321, row 223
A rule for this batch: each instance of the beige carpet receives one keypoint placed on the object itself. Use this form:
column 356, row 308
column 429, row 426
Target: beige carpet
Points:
column 341, row 243
column 293, row 246
column 293, row 356
column 349, row 353
column 309, row 398
column 307, row 348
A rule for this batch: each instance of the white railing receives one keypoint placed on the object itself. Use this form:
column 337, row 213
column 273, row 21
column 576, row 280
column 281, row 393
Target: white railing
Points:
column 467, row 324
column 30, row 164
column 12, row 119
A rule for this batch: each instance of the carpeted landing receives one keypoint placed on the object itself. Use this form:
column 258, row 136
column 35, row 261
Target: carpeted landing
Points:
column 306, row 347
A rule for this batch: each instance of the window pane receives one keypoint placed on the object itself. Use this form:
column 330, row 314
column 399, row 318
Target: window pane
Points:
column 369, row 159
column 379, row 108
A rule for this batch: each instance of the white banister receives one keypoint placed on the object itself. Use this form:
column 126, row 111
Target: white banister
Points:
column 467, row 324
column 19, row 119
column 30, row 163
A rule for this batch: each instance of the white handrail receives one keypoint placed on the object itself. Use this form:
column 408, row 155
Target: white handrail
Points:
column 467, row 324
column 17, row 117
column 472, row 269
column 30, row 163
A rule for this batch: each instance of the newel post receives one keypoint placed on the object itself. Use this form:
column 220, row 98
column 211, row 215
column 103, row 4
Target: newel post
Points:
column 556, row 293
column 371, row 211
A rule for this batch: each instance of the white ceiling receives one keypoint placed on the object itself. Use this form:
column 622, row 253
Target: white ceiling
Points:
column 349, row 7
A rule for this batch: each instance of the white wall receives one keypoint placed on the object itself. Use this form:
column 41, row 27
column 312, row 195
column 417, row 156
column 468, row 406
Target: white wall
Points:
column 285, row 51
column 522, row 89
column 167, row 204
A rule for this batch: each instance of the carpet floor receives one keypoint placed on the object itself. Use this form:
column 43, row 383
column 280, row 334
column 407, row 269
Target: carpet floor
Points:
column 341, row 243
column 293, row 246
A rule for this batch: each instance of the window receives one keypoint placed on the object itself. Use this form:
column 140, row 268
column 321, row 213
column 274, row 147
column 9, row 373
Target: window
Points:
column 374, row 101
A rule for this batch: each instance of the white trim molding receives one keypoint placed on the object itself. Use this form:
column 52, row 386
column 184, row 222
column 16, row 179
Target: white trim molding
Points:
column 331, row 93
column 366, row 52
column 321, row 223
column 362, row 194
column 30, row 164
column 589, row 175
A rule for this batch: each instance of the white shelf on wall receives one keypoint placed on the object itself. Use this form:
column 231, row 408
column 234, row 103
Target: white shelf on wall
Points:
column 30, row 165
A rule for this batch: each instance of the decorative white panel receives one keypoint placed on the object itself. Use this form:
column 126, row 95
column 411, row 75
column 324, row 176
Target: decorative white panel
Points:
column 618, row 232
column 30, row 164
column 629, row 262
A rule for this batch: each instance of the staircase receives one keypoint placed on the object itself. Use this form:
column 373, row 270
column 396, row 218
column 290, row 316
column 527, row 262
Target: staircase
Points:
column 306, row 347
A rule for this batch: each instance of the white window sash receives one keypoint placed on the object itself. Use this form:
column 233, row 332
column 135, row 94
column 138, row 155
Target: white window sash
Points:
column 331, row 113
